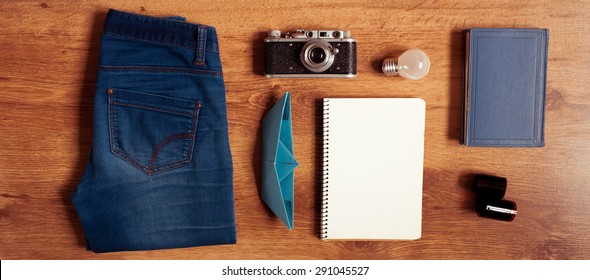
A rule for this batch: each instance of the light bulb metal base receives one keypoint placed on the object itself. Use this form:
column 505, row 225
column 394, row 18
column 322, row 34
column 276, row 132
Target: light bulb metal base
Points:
column 390, row 67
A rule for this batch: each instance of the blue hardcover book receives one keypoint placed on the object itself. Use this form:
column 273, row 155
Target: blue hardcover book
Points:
column 505, row 77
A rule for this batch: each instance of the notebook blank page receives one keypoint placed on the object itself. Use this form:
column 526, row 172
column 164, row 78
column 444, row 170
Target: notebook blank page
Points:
column 376, row 151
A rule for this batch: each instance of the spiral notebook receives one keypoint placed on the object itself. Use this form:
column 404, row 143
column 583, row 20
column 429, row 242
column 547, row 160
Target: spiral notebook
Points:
column 373, row 165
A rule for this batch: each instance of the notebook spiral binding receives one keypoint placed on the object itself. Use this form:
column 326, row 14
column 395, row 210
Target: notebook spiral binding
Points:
column 325, row 169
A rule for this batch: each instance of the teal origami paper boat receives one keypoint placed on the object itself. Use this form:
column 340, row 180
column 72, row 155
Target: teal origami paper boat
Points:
column 278, row 161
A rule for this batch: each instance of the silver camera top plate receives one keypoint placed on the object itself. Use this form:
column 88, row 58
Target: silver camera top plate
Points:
column 305, row 35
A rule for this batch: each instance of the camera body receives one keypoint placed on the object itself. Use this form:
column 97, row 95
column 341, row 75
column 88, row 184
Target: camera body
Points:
column 310, row 54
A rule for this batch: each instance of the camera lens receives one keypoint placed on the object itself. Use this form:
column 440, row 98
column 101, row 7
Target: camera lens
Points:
column 317, row 55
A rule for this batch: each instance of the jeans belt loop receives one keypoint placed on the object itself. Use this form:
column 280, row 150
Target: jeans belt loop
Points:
column 201, row 45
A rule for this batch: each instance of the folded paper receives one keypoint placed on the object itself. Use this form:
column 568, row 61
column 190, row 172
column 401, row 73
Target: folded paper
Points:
column 278, row 161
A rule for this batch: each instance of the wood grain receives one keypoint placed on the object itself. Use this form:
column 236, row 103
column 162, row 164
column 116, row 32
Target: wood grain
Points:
column 49, row 54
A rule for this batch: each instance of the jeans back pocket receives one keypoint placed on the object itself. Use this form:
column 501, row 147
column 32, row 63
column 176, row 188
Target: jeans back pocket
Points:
column 153, row 132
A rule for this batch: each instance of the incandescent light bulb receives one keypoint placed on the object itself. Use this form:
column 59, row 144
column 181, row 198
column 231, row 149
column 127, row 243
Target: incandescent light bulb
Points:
column 413, row 64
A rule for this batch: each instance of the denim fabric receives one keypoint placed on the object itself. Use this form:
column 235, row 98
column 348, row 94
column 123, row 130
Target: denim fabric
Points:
column 160, row 170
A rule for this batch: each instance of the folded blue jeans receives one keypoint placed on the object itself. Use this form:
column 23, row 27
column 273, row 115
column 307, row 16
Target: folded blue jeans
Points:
column 160, row 170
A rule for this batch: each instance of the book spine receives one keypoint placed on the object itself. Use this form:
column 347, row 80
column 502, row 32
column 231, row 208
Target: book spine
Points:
column 325, row 168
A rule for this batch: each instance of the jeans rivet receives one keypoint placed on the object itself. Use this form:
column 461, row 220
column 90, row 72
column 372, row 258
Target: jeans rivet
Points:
column 109, row 91
column 198, row 105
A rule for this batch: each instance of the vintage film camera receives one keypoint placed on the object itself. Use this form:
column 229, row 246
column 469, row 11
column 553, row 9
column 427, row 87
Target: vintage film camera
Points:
column 309, row 54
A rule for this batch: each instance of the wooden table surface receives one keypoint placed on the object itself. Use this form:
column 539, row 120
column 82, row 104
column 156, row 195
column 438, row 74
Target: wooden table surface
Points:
column 48, row 64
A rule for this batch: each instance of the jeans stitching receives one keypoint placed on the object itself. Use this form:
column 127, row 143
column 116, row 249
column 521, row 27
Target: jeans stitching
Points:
column 112, row 126
column 202, row 227
column 164, row 143
column 151, row 169
column 151, row 108
column 148, row 41
column 157, row 42
column 195, row 125
column 190, row 148
column 127, row 158
column 161, row 69
column 147, row 169
column 114, row 137
column 167, row 167
column 200, row 51
column 192, row 135
column 181, row 24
